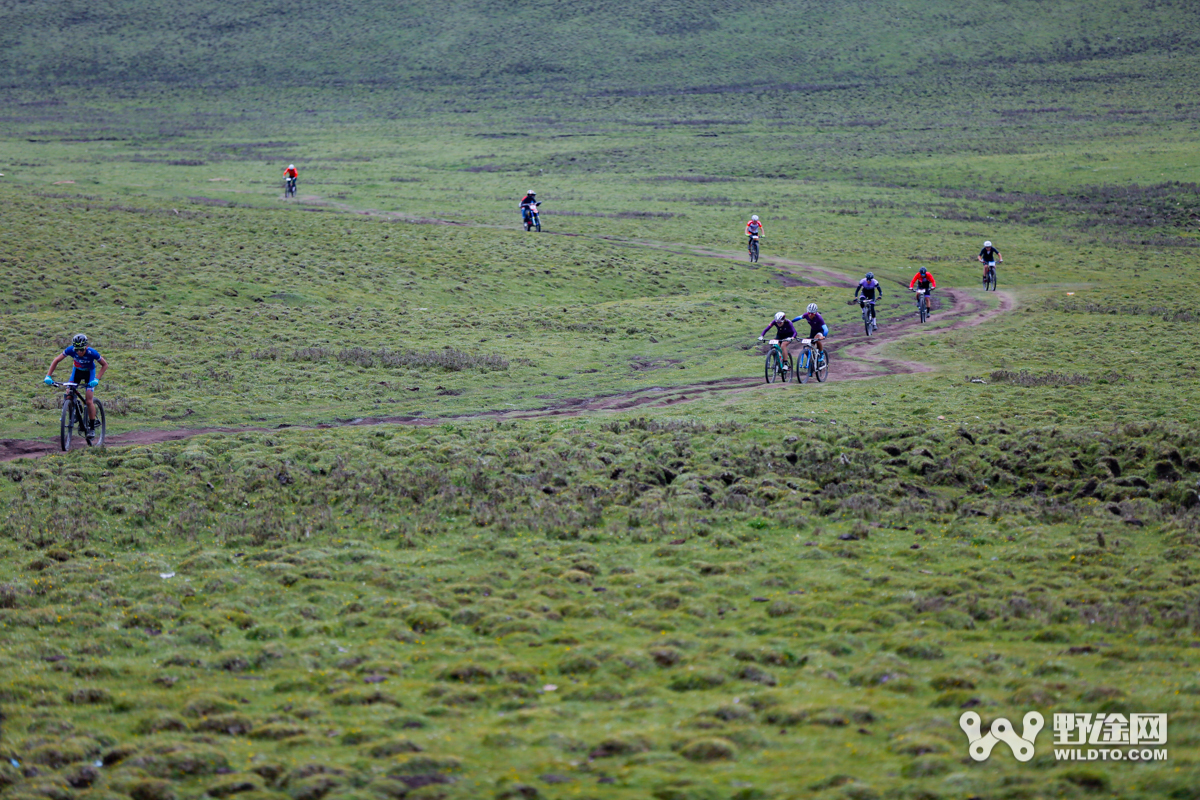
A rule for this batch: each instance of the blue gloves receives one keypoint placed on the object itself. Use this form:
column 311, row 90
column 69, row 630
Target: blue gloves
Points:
column 48, row 380
column 93, row 383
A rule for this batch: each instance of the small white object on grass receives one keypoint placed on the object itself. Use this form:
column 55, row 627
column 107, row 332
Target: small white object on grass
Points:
column 549, row 687
column 165, row 575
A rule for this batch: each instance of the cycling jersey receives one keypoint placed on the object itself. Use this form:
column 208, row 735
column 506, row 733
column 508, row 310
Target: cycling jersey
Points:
column 753, row 227
column 85, row 360
column 786, row 330
column 869, row 288
column 989, row 254
column 528, row 200
column 923, row 281
column 816, row 323
column 291, row 173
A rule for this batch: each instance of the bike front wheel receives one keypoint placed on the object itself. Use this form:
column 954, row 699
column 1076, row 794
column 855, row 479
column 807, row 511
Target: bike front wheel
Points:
column 993, row 280
column 754, row 251
column 804, row 367
column 821, row 367
column 771, row 367
column 921, row 304
column 537, row 222
column 97, row 437
column 67, row 423
column 867, row 322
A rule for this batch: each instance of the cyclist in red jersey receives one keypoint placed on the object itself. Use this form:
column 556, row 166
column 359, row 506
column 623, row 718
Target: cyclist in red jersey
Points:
column 924, row 281
column 753, row 228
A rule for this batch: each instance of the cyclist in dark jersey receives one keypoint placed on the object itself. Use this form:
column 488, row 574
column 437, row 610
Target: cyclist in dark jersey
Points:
column 817, row 329
column 869, row 288
column 84, row 373
column 989, row 255
column 784, row 329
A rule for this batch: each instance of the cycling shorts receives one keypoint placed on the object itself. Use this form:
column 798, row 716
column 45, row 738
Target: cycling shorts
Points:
column 82, row 376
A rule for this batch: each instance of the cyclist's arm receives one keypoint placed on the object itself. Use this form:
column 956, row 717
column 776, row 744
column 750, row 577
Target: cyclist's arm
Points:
column 913, row 282
column 54, row 363
column 998, row 256
column 103, row 368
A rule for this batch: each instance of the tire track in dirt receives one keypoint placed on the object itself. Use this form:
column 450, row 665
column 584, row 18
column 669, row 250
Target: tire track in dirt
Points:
column 856, row 359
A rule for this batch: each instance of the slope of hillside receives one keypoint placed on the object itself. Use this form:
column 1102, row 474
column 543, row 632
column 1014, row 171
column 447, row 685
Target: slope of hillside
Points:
column 563, row 48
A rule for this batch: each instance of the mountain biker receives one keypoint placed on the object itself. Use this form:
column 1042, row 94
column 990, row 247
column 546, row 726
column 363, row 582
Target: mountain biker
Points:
column 85, row 359
column 753, row 228
column 290, row 175
column 817, row 329
column 924, row 281
column 784, row 329
column 529, row 204
column 869, row 286
column 989, row 255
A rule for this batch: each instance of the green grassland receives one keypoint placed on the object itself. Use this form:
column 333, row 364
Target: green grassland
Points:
column 757, row 592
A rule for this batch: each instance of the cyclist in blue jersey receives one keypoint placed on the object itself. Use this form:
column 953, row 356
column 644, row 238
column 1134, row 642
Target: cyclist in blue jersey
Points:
column 84, row 373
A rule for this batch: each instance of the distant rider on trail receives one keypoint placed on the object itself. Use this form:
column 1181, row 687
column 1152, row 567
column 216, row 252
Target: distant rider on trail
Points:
column 290, row 177
column 529, row 204
column 817, row 329
column 784, row 329
column 84, row 374
column 869, row 287
column 753, row 228
column 923, row 281
column 989, row 256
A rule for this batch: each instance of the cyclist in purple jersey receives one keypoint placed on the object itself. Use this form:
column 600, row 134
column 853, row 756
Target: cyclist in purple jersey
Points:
column 869, row 288
column 84, row 373
column 818, row 330
column 784, row 329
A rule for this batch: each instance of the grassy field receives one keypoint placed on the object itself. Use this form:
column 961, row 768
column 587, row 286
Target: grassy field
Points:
column 591, row 555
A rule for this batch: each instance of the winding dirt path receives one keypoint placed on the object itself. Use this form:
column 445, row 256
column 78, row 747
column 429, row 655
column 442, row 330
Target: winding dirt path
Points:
column 852, row 357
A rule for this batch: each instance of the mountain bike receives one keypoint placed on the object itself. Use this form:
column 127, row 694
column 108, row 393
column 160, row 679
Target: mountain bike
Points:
column 532, row 217
column 779, row 363
column 289, row 187
column 75, row 418
column 753, row 248
column 989, row 277
column 868, row 315
column 813, row 363
column 923, row 303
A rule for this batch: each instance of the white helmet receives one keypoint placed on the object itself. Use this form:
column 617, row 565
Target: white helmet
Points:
column 754, row 217
column 291, row 166
column 779, row 315
column 812, row 308
column 531, row 191
column 987, row 244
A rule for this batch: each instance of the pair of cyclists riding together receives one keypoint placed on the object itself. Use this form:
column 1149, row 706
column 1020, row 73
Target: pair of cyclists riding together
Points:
column 785, row 329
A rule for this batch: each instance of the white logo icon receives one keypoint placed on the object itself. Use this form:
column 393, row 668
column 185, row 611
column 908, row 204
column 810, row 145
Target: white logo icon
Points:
column 1002, row 731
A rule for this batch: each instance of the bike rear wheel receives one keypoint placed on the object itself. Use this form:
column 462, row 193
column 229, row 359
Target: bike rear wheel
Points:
column 771, row 366
column 821, row 369
column 66, row 424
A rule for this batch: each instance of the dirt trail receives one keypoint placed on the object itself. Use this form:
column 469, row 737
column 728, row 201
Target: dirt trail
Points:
column 852, row 357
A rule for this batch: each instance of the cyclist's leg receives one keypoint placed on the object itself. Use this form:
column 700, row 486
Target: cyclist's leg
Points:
column 817, row 341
